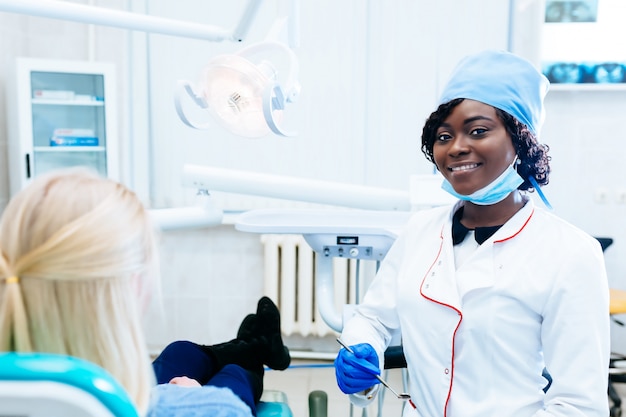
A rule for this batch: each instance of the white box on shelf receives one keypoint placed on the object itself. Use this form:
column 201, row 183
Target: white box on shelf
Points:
column 53, row 94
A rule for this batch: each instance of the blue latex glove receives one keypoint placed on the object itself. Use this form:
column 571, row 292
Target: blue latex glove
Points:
column 357, row 371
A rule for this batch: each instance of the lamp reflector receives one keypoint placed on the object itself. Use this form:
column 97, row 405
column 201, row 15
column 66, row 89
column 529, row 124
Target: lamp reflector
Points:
column 233, row 90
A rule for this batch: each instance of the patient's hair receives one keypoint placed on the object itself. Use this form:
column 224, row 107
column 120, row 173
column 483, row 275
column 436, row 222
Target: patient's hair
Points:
column 83, row 250
column 533, row 156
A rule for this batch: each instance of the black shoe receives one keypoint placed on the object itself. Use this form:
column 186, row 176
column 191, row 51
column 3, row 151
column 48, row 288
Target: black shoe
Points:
column 268, row 321
column 248, row 328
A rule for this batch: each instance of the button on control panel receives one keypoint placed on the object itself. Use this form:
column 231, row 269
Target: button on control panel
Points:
column 356, row 252
column 348, row 247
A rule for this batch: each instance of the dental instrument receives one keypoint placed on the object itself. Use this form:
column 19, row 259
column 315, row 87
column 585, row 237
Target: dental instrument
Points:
column 402, row 396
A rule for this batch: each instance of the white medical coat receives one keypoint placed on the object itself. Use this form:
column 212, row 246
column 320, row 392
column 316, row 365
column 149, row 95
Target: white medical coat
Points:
column 535, row 294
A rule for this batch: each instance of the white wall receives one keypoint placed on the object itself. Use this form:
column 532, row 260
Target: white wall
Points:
column 370, row 72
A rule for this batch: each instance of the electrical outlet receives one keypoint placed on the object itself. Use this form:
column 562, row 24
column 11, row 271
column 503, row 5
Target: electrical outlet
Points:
column 620, row 196
column 601, row 195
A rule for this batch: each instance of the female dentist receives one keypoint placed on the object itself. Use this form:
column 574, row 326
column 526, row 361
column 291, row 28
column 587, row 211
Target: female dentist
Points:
column 493, row 291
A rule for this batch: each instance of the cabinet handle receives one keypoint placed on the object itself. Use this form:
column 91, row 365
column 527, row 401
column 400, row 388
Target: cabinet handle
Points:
column 27, row 166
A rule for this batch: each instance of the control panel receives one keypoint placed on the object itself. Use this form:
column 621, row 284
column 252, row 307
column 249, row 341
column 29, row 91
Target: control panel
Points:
column 366, row 247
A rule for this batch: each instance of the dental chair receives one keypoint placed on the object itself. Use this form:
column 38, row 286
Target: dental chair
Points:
column 617, row 364
column 49, row 385
column 273, row 404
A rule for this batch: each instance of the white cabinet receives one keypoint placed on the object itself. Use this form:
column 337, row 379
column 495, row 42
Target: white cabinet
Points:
column 61, row 114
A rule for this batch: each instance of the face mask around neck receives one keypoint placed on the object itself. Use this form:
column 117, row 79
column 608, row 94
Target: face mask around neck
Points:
column 492, row 193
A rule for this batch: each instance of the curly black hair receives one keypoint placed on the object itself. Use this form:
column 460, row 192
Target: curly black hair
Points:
column 533, row 156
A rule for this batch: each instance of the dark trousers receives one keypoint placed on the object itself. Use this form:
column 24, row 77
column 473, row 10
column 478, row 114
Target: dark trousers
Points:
column 184, row 358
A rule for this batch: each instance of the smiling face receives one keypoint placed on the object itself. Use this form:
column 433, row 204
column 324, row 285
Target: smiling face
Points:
column 472, row 147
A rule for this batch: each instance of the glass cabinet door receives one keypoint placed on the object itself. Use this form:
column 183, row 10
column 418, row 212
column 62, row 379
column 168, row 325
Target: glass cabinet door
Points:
column 61, row 114
column 68, row 121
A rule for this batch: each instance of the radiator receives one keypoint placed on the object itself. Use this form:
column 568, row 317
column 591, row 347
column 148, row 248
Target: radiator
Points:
column 289, row 280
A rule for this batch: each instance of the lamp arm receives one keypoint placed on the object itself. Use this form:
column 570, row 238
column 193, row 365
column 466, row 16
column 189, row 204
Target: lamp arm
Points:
column 191, row 217
column 324, row 293
column 201, row 214
column 82, row 13
column 294, row 188
column 246, row 20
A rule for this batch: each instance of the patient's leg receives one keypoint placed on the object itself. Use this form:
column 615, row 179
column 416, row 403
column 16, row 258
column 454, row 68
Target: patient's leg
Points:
column 246, row 384
column 184, row 358
column 258, row 342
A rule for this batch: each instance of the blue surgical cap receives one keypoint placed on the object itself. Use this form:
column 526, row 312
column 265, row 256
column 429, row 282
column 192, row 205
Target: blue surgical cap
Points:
column 503, row 80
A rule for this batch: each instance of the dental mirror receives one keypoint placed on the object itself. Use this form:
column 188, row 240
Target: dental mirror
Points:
column 402, row 396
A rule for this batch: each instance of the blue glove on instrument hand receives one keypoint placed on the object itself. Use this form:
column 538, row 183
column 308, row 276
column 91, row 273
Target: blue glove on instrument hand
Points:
column 357, row 371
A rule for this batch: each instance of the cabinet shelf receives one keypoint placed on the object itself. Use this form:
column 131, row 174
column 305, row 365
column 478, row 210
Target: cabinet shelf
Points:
column 69, row 149
column 47, row 102
column 587, row 87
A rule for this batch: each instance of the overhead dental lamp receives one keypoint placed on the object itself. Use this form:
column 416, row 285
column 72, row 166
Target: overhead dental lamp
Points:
column 245, row 92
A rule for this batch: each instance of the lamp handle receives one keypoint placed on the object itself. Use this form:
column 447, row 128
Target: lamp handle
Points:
column 273, row 99
column 291, row 88
column 184, row 85
column 274, row 96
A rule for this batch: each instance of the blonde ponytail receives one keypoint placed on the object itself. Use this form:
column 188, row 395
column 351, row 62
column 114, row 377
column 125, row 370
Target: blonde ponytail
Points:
column 14, row 335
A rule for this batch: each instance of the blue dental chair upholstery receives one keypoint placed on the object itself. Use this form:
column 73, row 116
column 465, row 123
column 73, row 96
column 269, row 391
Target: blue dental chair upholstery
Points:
column 273, row 404
column 48, row 385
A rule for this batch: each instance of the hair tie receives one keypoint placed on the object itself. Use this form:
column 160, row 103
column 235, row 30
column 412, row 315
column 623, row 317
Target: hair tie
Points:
column 12, row 280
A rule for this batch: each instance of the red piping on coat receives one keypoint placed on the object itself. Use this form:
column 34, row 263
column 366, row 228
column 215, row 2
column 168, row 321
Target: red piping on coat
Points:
column 445, row 410
column 518, row 232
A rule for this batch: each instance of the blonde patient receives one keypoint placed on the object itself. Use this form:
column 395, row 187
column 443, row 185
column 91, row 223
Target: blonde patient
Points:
column 78, row 262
